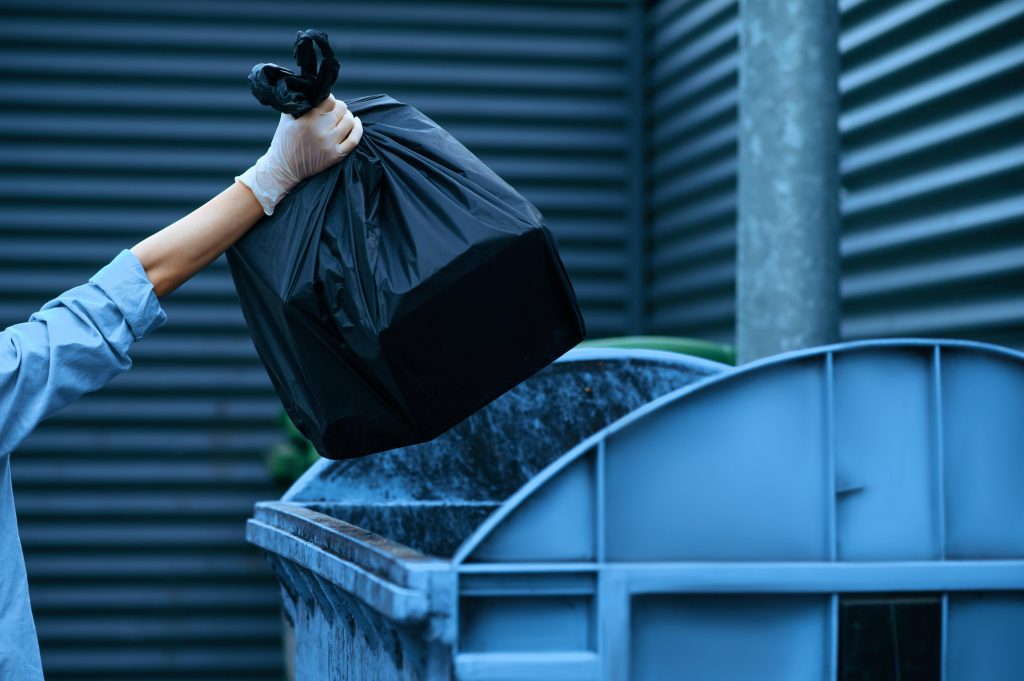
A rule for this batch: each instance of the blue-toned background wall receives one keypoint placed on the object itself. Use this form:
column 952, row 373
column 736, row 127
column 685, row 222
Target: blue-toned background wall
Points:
column 616, row 117
column 119, row 116
column 932, row 170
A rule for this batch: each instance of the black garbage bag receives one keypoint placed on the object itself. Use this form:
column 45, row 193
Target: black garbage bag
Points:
column 398, row 292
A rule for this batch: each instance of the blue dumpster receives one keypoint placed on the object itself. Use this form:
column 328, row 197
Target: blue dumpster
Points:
column 846, row 512
column 368, row 607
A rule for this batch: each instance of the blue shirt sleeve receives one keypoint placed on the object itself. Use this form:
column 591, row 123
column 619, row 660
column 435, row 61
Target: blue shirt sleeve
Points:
column 74, row 345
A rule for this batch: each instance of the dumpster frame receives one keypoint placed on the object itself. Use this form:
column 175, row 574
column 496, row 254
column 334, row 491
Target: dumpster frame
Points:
column 411, row 587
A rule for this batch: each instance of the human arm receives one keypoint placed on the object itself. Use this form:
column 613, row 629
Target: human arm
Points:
column 79, row 341
column 173, row 255
column 301, row 147
column 74, row 345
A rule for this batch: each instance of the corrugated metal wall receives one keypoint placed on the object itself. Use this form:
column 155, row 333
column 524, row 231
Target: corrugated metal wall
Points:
column 117, row 117
column 692, row 178
column 933, row 168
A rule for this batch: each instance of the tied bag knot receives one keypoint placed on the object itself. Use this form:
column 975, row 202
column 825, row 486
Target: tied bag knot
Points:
column 295, row 94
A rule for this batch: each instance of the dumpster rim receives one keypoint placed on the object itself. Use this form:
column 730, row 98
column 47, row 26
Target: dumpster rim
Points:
column 375, row 591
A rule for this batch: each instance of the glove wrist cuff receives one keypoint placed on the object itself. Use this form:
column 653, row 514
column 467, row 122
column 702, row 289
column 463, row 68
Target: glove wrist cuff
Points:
column 268, row 184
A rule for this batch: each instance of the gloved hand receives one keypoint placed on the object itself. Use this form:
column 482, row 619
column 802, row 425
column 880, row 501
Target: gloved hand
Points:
column 302, row 147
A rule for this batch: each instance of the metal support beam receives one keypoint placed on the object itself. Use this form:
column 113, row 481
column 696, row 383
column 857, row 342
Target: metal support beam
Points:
column 788, row 232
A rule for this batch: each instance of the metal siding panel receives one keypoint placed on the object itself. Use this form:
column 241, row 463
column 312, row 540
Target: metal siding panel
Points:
column 933, row 167
column 132, row 502
column 693, row 167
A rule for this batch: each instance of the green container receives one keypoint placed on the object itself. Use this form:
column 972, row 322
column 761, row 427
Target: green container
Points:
column 719, row 352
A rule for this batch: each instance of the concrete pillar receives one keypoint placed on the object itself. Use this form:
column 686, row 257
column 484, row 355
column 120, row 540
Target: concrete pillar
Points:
column 788, row 229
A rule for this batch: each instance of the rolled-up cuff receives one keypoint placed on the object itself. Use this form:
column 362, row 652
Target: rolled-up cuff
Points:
column 125, row 282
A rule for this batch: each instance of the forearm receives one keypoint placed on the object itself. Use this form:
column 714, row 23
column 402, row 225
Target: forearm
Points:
column 177, row 252
column 301, row 147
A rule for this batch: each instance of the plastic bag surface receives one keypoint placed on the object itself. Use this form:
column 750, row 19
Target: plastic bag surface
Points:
column 398, row 292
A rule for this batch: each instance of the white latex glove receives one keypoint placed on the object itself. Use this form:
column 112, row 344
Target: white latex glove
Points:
column 302, row 147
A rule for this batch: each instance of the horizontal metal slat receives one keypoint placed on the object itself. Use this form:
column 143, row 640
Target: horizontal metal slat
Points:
column 33, row 250
column 214, row 285
column 116, row 566
column 587, row 230
column 587, row 172
column 130, row 440
column 254, row 660
column 596, row 292
column 136, row 629
column 1008, row 159
column 720, row 106
column 205, row 316
column 668, row 26
column 853, row 5
column 706, row 312
column 926, row 228
column 709, row 275
column 202, row 349
column 147, row 597
column 946, row 318
column 99, row 159
column 721, row 74
column 132, row 190
column 604, row 320
column 85, row 503
column 181, row 377
column 671, row 158
column 694, row 50
column 714, row 242
column 613, row 262
column 233, row 411
column 883, row 24
column 947, row 270
column 699, row 180
column 150, row 122
column 664, row 13
column 218, row 101
column 388, row 42
column 718, row 208
column 362, row 73
column 943, row 132
column 580, row 199
column 113, row 190
column 196, row 307
column 602, row 15
column 198, row 535
column 892, row 61
column 945, row 84
column 154, row 163
column 94, row 220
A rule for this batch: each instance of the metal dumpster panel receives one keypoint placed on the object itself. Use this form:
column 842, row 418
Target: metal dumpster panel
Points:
column 878, row 467
column 983, row 455
column 729, row 637
column 367, row 607
column 723, row 530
